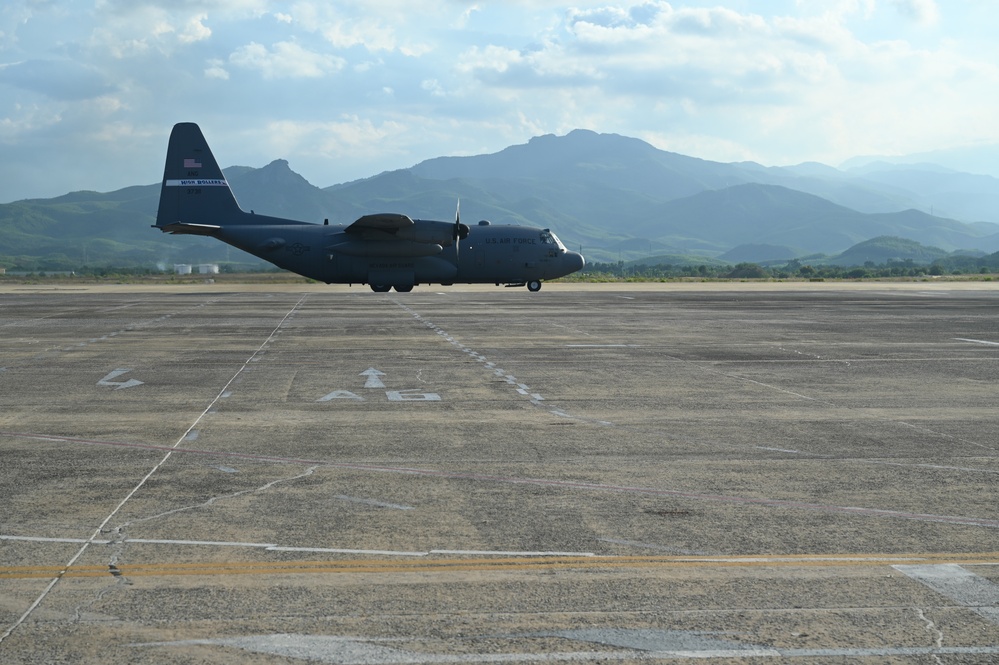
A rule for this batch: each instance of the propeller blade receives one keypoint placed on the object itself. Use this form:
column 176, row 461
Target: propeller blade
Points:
column 456, row 232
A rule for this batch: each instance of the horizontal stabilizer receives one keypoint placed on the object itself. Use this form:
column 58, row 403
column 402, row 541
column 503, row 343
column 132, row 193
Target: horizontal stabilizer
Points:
column 180, row 228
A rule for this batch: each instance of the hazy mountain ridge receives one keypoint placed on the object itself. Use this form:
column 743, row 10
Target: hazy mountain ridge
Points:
column 614, row 197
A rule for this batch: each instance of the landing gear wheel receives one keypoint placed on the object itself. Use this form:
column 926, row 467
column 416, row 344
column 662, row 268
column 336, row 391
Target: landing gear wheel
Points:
column 534, row 285
column 403, row 289
column 380, row 288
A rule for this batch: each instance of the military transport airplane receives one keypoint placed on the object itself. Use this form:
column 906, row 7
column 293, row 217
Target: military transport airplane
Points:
column 383, row 250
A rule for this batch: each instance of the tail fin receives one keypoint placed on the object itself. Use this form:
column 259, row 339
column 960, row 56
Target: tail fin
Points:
column 195, row 197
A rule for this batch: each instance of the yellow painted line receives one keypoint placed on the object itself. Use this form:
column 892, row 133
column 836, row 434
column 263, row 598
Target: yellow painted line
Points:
column 383, row 566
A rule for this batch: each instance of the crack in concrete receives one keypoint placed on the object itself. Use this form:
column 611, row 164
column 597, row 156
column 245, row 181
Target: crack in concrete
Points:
column 933, row 630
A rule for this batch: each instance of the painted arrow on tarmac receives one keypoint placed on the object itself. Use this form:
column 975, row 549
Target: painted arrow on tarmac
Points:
column 118, row 385
column 373, row 380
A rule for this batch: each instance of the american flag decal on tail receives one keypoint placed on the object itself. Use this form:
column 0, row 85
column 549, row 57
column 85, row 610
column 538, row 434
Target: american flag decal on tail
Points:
column 192, row 164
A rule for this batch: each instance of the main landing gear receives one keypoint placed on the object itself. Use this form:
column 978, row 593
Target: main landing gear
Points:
column 385, row 288
column 534, row 285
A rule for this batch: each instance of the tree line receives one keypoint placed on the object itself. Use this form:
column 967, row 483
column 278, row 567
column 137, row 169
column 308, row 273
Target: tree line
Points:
column 794, row 269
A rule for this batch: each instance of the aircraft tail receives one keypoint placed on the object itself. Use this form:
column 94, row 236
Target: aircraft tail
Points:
column 195, row 197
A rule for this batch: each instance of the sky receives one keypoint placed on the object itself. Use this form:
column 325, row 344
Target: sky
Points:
column 347, row 89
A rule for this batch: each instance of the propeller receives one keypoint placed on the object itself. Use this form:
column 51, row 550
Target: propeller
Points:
column 459, row 231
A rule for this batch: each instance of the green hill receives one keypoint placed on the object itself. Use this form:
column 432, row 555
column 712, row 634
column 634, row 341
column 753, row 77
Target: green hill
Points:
column 884, row 249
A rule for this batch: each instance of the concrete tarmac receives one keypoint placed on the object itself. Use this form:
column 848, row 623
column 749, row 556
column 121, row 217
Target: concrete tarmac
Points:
column 620, row 473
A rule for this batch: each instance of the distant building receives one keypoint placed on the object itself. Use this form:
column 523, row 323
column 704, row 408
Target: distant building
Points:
column 182, row 268
column 208, row 268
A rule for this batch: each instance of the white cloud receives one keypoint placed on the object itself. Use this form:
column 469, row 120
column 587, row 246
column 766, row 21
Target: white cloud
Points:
column 285, row 60
column 785, row 81
column 215, row 69
column 194, row 30
column 347, row 137
column 370, row 34
column 373, row 26
column 924, row 12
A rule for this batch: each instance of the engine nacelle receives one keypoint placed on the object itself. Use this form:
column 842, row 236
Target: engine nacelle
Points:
column 441, row 233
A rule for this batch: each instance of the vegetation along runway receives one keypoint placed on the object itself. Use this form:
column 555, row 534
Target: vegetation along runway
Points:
column 615, row 473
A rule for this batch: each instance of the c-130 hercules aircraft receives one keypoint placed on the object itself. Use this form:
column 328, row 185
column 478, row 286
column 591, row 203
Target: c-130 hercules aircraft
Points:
column 383, row 250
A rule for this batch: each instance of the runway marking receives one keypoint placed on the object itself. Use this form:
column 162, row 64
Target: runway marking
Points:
column 411, row 395
column 339, row 650
column 100, row 528
column 536, row 398
column 933, row 466
column 603, row 346
column 978, row 594
column 977, row 341
column 119, row 385
column 340, row 394
column 521, row 388
column 482, row 561
column 650, row 546
column 544, row 482
column 373, row 378
column 372, row 502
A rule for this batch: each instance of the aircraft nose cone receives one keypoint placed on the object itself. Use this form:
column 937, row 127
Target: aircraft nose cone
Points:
column 574, row 261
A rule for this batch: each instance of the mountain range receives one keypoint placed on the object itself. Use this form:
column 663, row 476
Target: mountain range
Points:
column 613, row 197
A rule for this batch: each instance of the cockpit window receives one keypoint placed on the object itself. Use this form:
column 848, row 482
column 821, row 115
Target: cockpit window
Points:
column 549, row 238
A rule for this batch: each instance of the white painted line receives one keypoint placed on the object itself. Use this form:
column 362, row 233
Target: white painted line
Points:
column 273, row 547
column 215, row 543
column 512, row 553
column 602, row 346
column 372, row 502
column 779, row 450
column 331, row 550
column 522, row 388
column 650, row 546
column 40, row 539
column 977, row 594
column 976, row 341
column 342, row 650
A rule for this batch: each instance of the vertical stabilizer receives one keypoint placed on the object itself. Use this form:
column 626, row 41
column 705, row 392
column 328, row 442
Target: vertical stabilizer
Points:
column 194, row 190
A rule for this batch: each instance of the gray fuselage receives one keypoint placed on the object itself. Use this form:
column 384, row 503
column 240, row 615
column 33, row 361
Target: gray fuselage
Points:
column 491, row 254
